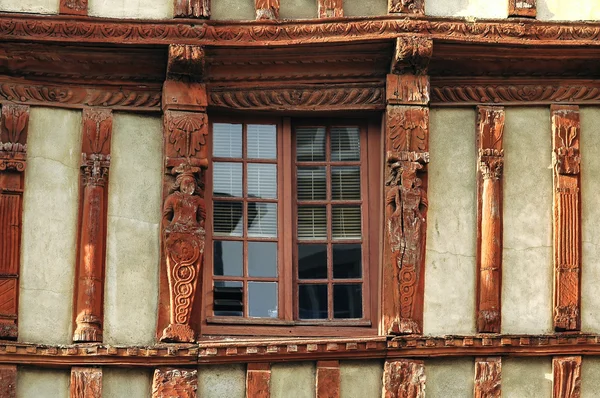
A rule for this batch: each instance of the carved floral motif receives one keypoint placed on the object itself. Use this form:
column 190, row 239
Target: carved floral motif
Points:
column 77, row 7
column 172, row 382
column 488, row 376
column 406, row 6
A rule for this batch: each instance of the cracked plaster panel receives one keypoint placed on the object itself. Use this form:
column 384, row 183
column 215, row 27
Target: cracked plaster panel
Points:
column 361, row 8
column 50, row 211
column 293, row 380
column 449, row 378
column 451, row 224
column 527, row 253
column 132, row 9
column 130, row 383
column 216, row 381
column 42, row 383
column 132, row 260
column 298, row 9
column 360, row 379
column 232, row 9
column 526, row 377
column 467, row 8
column 568, row 10
column 590, row 377
column 30, row 6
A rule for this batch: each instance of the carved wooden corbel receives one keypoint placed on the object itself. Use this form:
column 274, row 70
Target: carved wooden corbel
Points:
column 186, row 63
column 86, row 382
column 192, row 9
column 566, row 372
column 567, row 217
column 8, row 381
column 73, row 7
column 412, row 55
column 328, row 379
column 172, row 382
column 258, row 380
column 522, row 8
column 13, row 150
column 404, row 378
column 266, row 9
column 490, row 129
column 89, row 286
column 330, row 8
column 488, row 377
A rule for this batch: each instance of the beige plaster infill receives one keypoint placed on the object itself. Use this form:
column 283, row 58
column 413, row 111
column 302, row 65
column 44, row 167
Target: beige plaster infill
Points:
column 362, row 8
column 526, row 377
column 216, row 381
column 30, row 6
column 361, row 379
column 449, row 378
column 232, row 9
column 590, row 377
column 561, row 10
column 467, row 8
column 129, row 383
column 298, row 9
column 42, row 383
column 131, row 9
column 293, row 380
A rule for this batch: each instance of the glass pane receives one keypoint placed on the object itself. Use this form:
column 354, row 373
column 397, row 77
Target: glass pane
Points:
column 227, row 179
column 347, row 261
column 312, row 261
column 312, row 301
column 228, row 298
column 228, row 258
column 262, row 220
column 347, row 301
column 227, row 140
column 310, row 144
column 262, row 180
column 262, row 259
column 261, row 142
column 345, row 222
column 345, row 143
column 228, row 218
column 345, row 183
column 312, row 222
column 262, row 299
column 311, row 183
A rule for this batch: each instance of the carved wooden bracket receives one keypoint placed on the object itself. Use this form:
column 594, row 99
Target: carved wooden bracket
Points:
column 488, row 377
column 266, row 9
column 258, row 380
column 13, row 151
column 174, row 382
column 328, row 379
column 186, row 63
column 567, row 217
column 86, row 382
column 566, row 372
column 412, row 55
column 406, row 6
column 522, row 8
column 330, row 8
column 407, row 89
column 490, row 129
column 192, row 9
column 73, row 7
column 89, row 286
column 8, row 381
column 404, row 378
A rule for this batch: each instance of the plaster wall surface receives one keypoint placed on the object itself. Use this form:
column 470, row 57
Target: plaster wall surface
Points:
column 293, row 380
column 134, row 209
column 50, row 212
column 130, row 383
column 42, row 383
column 449, row 306
column 357, row 8
column 567, row 10
column 133, row 9
column 298, row 9
column 30, row 6
column 232, row 9
column 361, row 379
column 449, row 378
column 527, row 255
column 467, row 8
column 590, row 377
column 215, row 381
column 526, row 377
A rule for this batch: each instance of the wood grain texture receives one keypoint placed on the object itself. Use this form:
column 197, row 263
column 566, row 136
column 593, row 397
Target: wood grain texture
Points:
column 488, row 377
column 8, row 381
column 330, row 8
column 174, row 382
column 404, row 379
column 258, row 380
column 522, row 8
column 86, row 382
column 566, row 372
column 328, row 379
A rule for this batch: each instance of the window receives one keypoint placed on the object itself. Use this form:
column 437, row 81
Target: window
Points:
column 288, row 244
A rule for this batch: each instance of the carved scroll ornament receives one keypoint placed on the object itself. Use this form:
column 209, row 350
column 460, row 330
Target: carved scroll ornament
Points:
column 406, row 6
column 488, row 376
column 171, row 382
column 567, row 377
column 404, row 378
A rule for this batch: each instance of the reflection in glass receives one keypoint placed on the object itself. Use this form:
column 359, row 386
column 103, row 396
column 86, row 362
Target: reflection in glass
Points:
column 228, row 298
column 228, row 258
column 312, row 301
column 345, row 222
column 312, row 222
column 345, row 183
column 262, row 180
column 261, row 142
column 347, row 301
column 228, row 219
column 227, row 140
column 312, row 261
column 262, row 220
column 262, row 259
column 227, row 179
column 310, row 144
column 262, row 299
column 346, row 261
column 345, row 143
column 311, row 183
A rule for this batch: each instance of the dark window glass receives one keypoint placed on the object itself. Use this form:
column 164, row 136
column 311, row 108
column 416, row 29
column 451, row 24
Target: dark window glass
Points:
column 312, row 261
column 313, row 301
column 228, row 258
column 347, row 261
column 228, row 298
column 347, row 301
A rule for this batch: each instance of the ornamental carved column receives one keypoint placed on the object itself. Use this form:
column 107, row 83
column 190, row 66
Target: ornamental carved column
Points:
column 172, row 382
column 184, row 210
column 403, row 378
column 330, row 8
column 13, row 151
column 566, row 374
column 407, row 155
column 192, row 9
column 89, row 286
column 86, row 382
column 488, row 377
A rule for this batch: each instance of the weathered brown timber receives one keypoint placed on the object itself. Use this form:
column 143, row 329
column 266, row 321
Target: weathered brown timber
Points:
column 73, row 7
column 328, row 379
column 566, row 372
column 266, row 9
column 488, row 377
column 192, row 8
column 403, row 378
column 406, row 6
column 522, row 8
column 86, row 382
column 175, row 382
column 490, row 129
column 13, row 149
column 8, row 381
column 330, row 8
column 258, row 380
column 567, row 218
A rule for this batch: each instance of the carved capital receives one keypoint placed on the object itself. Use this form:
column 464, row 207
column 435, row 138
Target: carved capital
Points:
column 172, row 382
column 488, row 376
column 266, row 9
column 566, row 125
column 13, row 137
column 186, row 62
column 192, row 9
column 404, row 378
column 490, row 126
column 566, row 372
column 186, row 136
column 330, row 8
column 407, row 89
column 522, row 8
column 412, row 55
column 406, row 6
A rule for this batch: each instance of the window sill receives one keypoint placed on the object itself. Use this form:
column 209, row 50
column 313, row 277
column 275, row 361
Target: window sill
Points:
column 279, row 322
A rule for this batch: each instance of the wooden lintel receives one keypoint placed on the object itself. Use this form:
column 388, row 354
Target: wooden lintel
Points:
column 566, row 374
column 86, row 382
column 258, row 380
column 328, row 379
column 488, row 377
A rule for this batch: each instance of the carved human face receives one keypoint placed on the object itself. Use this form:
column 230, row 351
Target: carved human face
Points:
column 188, row 185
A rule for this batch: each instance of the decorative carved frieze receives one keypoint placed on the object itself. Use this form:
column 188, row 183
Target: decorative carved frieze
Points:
column 488, row 377
column 406, row 6
column 412, row 55
column 192, row 9
column 86, row 382
column 330, row 8
column 403, row 378
column 566, row 372
column 258, row 380
column 73, row 7
column 266, row 9
column 522, row 8
column 8, row 381
column 490, row 129
column 175, row 382
column 567, row 217
column 328, row 379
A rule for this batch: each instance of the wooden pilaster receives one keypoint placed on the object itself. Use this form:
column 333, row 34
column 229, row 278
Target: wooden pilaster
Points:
column 330, row 8
column 174, row 382
column 488, row 377
column 266, row 9
column 328, row 379
column 403, row 378
column 192, row 9
column 258, row 380
column 8, row 381
column 566, row 373
column 86, row 382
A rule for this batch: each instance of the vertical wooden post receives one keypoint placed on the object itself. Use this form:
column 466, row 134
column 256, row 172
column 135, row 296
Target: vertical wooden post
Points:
column 522, row 8
column 488, row 377
column 73, row 7
column 406, row 6
column 266, row 9
column 86, row 382
column 566, row 372
column 192, row 9
column 258, row 380
column 490, row 128
column 330, row 8
column 172, row 382
column 403, row 378
column 407, row 154
column 89, row 285
column 8, row 381
column 328, row 379
column 567, row 217
column 13, row 150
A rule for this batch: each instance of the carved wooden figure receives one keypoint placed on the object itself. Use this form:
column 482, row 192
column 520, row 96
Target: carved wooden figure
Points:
column 192, row 8
column 403, row 378
column 330, row 8
column 95, row 162
column 73, row 7
column 266, row 9
column 522, row 8
column 172, row 382
column 86, row 382
column 406, row 6
column 566, row 372
column 13, row 149
column 328, row 379
column 8, row 381
column 258, row 380
column 567, row 217
column 488, row 377
column 490, row 129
